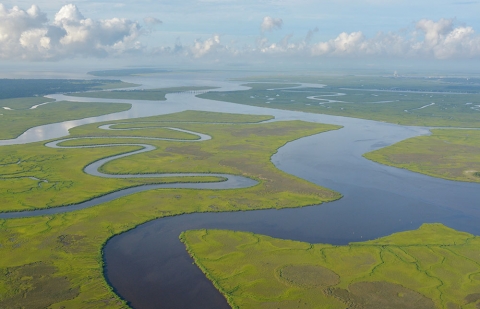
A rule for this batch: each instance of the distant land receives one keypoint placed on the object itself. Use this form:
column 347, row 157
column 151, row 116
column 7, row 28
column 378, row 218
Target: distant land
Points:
column 21, row 88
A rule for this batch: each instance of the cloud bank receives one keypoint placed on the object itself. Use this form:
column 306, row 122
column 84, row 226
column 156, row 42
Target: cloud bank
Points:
column 28, row 34
column 429, row 39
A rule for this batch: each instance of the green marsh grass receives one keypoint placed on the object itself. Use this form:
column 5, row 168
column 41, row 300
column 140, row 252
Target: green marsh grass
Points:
column 449, row 154
column 432, row 267
column 22, row 103
column 28, row 88
column 368, row 98
column 14, row 122
column 19, row 95
column 385, row 82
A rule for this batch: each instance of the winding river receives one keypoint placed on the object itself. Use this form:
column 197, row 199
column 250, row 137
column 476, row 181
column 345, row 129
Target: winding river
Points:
column 226, row 181
column 149, row 267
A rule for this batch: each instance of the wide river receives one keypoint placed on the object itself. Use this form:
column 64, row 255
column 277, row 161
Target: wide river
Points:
column 149, row 267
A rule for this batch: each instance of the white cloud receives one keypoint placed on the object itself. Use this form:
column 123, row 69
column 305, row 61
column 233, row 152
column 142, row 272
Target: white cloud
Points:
column 442, row 40
column 201, row 48
column 68, row 13
column 270, row 23
column 283, row 46
column 430, row 39
column 29, row 35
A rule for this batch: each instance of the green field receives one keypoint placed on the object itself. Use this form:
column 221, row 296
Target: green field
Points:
column 380, row 82
column 151, row 94
column 432, row 267
column 406, row 101
column 449, row 154
column 56, row 261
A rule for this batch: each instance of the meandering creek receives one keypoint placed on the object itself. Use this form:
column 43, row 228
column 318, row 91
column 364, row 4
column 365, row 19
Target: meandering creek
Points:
column 226, row 181
column 149, row 267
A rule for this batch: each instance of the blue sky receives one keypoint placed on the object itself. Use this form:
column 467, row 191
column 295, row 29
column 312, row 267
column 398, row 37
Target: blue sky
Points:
column 239, row 31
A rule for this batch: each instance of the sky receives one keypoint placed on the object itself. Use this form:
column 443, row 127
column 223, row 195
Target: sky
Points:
column 240, row 32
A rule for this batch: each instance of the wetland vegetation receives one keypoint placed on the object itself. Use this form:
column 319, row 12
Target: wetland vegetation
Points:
column 66, row 249
column 22, row 105
column 449, row 154
column 22, row 88
column 21, row 117
column 432, row 267
column 406, row 101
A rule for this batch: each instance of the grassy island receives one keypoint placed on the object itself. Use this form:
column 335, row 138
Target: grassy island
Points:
column 56, row 261
column 449, row 154
column 432, row 267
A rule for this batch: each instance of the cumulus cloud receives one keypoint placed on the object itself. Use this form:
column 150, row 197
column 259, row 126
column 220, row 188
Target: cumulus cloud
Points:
column 270, row 23
column 343, row 44
column 427, row 39
column 283, row 46
column 444, row 40
column 430, row 39
column 201, row 48
column 28, row 34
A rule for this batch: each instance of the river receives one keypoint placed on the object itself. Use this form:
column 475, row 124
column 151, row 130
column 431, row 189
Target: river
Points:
column 149, row 267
